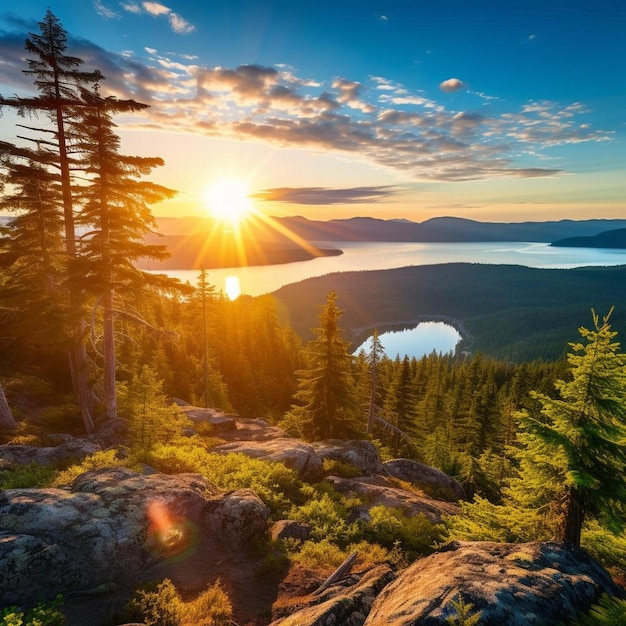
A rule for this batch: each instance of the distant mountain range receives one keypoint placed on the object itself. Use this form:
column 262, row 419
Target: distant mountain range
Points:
column 439, row 229
column 607, row 239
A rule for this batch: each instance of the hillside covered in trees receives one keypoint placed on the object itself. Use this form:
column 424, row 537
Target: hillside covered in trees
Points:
column 511, row 312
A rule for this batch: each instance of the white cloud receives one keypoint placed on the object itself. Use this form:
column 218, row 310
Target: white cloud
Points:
column 177, row 23
column 452, row 84
column 104, row 11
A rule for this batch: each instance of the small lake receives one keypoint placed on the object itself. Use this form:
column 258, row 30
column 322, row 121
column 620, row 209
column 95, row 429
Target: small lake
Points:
column 258, row 280
column 416, row 342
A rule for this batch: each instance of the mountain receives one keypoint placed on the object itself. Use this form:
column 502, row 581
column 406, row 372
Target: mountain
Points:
column 439, row 229
column 606, row 239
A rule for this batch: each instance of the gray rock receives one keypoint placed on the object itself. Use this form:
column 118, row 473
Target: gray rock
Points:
column 361, row 454
column 378, row 491
column 346, row 603
column 110, row 526
column 290, row 529
column 217, row 419
column 293, row 453
column 424, row 475
column 532, row 584
column 71, row 450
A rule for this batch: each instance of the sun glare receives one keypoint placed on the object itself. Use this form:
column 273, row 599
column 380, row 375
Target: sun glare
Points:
column 228, row 200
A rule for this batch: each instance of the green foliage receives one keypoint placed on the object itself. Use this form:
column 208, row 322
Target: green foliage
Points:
column 322, row 554
column 43, row 614
column 327, row 517
column 96, row 461
column 607, row 548
column 163, row 606
column 151, row 419
column 327, row 406
column 340, row 468
column 463, row 615
column 608, row 611
column 574, row 450
column 392, row 527
column 277, row 485
column 27, row 476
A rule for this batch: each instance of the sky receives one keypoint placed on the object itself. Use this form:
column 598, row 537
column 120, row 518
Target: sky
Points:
column 502, row 111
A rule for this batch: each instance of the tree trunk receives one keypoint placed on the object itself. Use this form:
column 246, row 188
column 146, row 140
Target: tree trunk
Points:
column 108, row 349
column 7, row 421
column 80, row 382
column 574, row 518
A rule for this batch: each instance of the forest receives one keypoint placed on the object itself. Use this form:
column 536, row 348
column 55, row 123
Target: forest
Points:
column 536, row 438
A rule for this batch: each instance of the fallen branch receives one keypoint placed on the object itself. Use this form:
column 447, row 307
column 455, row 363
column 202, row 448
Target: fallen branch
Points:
column 339, row 574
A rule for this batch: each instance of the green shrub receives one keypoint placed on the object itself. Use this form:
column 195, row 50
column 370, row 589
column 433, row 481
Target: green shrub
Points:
column 391, row 527
column 64, row 418
column 607, row 612
column 277, row 485
column 319, row 555
column 96, row 461
column 27, row 476
column 464, row 614
column 341, row 469
column 44, row 614
column 327, row 517
column 163, row 606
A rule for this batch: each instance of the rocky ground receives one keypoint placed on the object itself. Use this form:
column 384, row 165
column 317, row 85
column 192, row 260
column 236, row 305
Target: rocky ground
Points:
column 114, row 529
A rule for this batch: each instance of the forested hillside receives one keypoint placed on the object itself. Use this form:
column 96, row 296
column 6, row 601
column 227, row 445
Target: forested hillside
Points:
column 511, row 312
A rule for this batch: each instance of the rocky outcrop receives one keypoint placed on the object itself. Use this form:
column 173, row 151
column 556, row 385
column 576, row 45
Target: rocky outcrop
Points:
column 70, row 450
column 293, row 453
column 359, row 453
column 290, row 529
column 530, row 584
column 376, row 490
column 218, row 420
column 111, row 526
column 347, row 602
column 432, row 479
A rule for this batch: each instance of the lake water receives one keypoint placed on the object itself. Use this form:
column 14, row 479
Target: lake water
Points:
column 416, row 342
column 427, row 336
column 255, row 281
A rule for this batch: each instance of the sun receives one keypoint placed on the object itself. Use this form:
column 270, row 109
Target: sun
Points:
column 228, row 200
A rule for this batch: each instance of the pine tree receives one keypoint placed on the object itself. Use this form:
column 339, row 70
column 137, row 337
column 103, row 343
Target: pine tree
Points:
column 326, row 389
column 57, row 78
column 116, row 216
column 578, row 440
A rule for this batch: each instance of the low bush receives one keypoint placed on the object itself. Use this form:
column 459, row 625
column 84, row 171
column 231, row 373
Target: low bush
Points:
column 99, row 460
column 44, row 614
column 28, row 476
column 163, row 606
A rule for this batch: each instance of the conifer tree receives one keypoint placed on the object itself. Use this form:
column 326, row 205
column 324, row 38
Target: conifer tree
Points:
column 578, row 441
column 326, row 389
column 116, row 216
column 57, row 77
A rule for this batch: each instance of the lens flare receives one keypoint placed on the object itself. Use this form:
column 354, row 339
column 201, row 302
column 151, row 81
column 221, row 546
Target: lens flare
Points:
column 232, row 287
column 169, row 535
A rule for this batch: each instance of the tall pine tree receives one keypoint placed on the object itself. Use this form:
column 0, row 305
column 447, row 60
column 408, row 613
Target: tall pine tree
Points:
column 578, row 441
column 326, row 391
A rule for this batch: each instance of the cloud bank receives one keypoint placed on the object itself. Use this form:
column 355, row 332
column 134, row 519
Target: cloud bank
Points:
column 326, row 196
column 379, row 120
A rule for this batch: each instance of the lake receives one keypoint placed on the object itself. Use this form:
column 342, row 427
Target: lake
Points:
column 258, row 280
column 427, row 336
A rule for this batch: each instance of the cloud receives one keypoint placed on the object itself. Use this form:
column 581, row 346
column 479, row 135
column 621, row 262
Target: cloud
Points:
column 378, row 120
column 326, row 196
column 104, row 11
column 452, row 84
column 177, row 23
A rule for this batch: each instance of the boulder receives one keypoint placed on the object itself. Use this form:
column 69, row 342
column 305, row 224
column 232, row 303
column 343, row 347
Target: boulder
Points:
column 293, row 453
column 361, row 454
column 214, row 417
column 431, row 478
column 71, row 450
column 346, row 603
column 530, row 584
column 247, row 429
column 111, row 526
column 290, row 529
column 379, row 491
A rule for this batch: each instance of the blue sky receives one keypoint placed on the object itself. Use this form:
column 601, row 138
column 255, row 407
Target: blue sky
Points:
column 499, row 111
